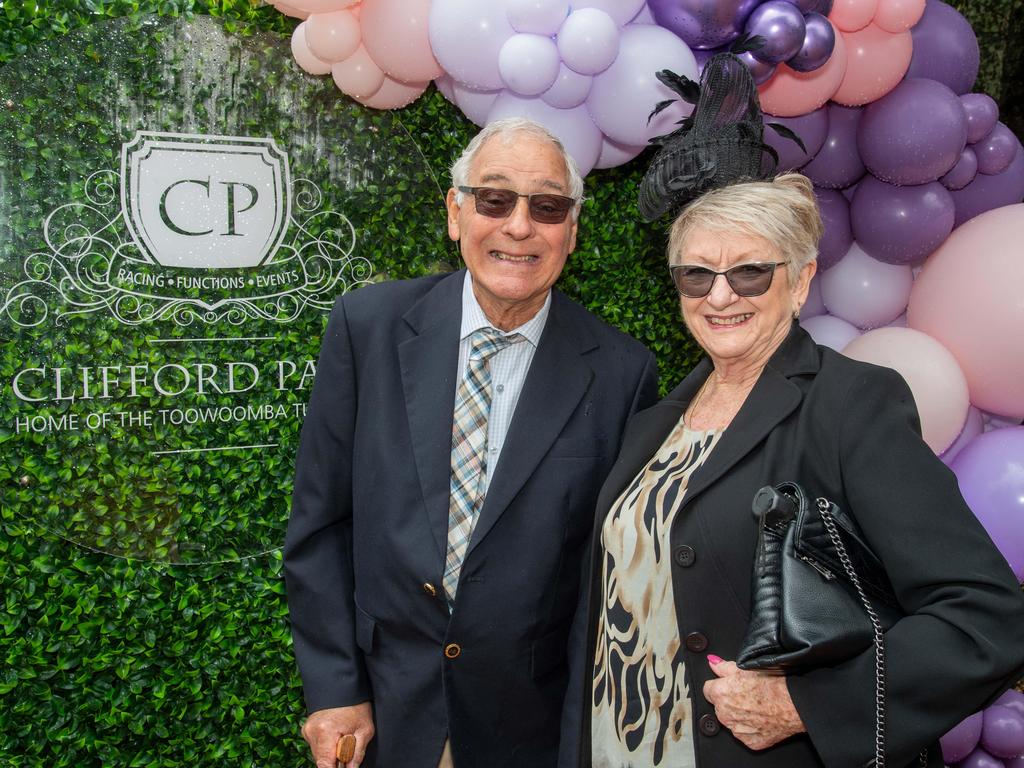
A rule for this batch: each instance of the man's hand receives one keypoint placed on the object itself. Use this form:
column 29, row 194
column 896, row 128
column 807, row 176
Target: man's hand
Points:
column 324, row 727
column 755, row 706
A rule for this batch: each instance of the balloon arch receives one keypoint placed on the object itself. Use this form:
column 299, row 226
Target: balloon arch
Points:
column 920, row 186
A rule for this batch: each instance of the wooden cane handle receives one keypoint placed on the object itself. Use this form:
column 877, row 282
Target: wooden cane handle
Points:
column 346, row 748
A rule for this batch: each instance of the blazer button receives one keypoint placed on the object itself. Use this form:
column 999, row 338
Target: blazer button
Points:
column 696, row 642
column 709, row 725
column 684, row 556
column 429, row 589
column 452, row 650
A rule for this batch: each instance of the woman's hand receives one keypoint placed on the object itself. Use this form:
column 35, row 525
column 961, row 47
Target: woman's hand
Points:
column 755, row 706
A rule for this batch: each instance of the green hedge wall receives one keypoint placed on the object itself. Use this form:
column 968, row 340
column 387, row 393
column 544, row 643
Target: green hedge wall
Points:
column 107, row 661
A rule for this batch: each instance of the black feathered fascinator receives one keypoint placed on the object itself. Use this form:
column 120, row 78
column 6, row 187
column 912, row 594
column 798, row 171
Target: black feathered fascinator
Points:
column 720, row 143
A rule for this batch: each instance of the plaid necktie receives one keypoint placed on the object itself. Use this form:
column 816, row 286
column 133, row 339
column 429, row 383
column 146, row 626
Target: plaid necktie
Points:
column 469, row 449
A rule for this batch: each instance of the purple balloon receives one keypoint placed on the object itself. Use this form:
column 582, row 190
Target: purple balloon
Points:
column 945, row 48
column 782, row 26
column 914, row 134
column 974, row 425
column 703, row 23
column 812, row 129
column 963, row 173
column 1014, row 762
column 979, row 758
column 819, row 42
column 1002, row 733
column 838, row 163
column 991, row 475
column 838, row 236
column 814, row 305
column 996, row 150
column 959, row 742
column 830, row 331
column 761, row 71
column 988, row 192
column 1012, row 699
column 901, row 225
column 982, row 113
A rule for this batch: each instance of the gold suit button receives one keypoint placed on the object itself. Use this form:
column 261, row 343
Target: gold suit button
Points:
column 452, row 650
column 429, row 589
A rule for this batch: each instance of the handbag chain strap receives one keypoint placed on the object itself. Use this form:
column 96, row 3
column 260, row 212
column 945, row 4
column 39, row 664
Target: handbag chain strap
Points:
column 824, row 508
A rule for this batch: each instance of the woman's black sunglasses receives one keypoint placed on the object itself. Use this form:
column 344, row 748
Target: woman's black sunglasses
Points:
column 497, row 203
column 744, row 279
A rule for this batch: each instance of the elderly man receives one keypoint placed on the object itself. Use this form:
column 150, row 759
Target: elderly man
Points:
column 459, row 429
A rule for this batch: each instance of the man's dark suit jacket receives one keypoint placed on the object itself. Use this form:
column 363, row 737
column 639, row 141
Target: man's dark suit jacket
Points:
column 366, row 542
column 848, row 431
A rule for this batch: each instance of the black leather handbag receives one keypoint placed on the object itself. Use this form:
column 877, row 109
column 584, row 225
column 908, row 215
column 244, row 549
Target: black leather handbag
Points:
column 819, row 594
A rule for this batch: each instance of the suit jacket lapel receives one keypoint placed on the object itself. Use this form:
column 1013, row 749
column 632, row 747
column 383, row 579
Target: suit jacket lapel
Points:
column 429, row 360
column 559, row 376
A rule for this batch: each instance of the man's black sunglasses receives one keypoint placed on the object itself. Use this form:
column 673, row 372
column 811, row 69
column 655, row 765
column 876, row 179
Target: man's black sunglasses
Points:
column 498, row 203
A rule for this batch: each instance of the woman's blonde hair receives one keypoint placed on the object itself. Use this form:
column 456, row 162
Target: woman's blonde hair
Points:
column 782, row 211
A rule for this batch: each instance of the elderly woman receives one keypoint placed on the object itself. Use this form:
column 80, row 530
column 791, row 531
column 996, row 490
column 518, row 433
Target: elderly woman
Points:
column 670, row 591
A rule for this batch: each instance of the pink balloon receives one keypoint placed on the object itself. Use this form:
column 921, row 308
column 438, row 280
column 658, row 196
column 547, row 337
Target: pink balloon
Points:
column 968, row 297
column 573, row 127
column 790, row 93
column 851, row 15
column 830, row 331
column 613, row 154
column 876, row 61
column 332, row 36
column 396, row 33
column 898, row 15
column 474, row 103
column 528, row 63
column 931, row 372
column 466, row 36
column 623, row 95
column 864, row 291
column 358, row 76
column 303, row 56
column 321, row 6
column 394, row 94
column 289, row 10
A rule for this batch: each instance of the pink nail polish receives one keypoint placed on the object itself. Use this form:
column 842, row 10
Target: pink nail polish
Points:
column 713, row 660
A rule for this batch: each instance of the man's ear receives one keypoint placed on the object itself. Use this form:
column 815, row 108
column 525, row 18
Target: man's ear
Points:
column 453, row 215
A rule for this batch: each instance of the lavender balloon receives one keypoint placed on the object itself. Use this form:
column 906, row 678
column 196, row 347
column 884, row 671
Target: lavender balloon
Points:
column 838, row 162
column 864, row 291
column 838, row 236
column 761, row 71
column 901, row 225
column 830, row 331
column 945, row 48
column 988, row 192
column 914, row 134
column 982, row 113
column 1012, row 699
column 1002, row 733
column 974, row 425
column 991, row 475
column 782, row 26
column 963, row 172
column 979, row 758
column 812, row 129
column 819, row 42
column 814, row 306
column 961, row 741
column 703, row 23
column 996, row 151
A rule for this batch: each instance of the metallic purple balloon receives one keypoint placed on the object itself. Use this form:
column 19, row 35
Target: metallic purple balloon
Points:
column 805, row 6
column 945, row 48
column 703, row 23
column 761, row 71
column 988, row 192
column 996, row 150
column 838, row 162
column 963, row 172
column 979, row 758
column 782, row 26
column 914, row 134
column 1012, row 699
column 819, row 42
column 812, row 129
column 982, row 114
column 962, row 739
column 901, row 225
column 838, row 236
column 1002, row 734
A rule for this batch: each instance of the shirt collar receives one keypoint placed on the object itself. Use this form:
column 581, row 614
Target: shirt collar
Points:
column 473, row 317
